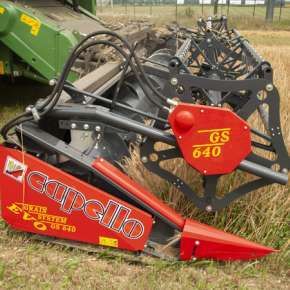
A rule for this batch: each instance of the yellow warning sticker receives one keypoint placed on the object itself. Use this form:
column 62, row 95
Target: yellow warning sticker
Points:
column 33, row 23
column 109, row 242
column 2, row 10
column 2, row 68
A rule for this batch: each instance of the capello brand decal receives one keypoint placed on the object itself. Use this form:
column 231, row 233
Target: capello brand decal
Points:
column 112, row 215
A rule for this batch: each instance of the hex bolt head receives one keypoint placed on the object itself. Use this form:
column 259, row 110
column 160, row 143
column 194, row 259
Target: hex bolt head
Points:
column 144, row 159
column 73, row 125
column 284, row 170
column 174, row 81
column 197, row 243
column 208, row 40
column 98, row 128
column 52, row 82
column 139, row 138
column 269, row 87
column 86, row 126
column 208, row 208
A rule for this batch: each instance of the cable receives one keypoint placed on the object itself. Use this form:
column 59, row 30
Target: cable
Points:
column 121, row 80
column 74, row 57
column 52, row 100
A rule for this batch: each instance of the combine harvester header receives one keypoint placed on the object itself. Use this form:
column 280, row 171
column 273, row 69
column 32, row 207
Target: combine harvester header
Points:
column 190, row 100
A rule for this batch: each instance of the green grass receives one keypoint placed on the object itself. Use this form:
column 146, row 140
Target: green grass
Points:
column 29, row 264
column 16, row 96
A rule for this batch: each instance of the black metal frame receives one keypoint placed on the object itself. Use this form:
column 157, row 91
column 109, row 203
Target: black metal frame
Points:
column 213, row 66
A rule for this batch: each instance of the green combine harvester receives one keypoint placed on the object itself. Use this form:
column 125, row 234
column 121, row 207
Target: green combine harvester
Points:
column 36, row 37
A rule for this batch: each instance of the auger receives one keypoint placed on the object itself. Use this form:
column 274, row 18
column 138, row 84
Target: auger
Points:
column 60, row 163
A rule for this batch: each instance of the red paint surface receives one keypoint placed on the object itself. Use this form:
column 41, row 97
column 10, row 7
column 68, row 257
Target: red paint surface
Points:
column 54, row 209
column 141, row 193
column 212, row 140
column 34, row 211
column 204, row 242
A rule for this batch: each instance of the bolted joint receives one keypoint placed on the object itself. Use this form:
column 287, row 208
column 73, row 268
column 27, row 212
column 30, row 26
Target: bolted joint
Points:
column 86, row 126
column 174, row 81
column 98, row 128
column 52, row 82
column 269, row 87
column 208, row 208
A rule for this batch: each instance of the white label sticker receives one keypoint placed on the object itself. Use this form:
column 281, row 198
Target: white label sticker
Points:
column 15, row 169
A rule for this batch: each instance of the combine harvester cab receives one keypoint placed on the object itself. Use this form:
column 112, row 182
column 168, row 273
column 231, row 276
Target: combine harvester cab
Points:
column 60, row 172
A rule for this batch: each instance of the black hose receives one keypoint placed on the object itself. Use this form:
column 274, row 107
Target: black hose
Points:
column 121, row 80
column 49, row 103
column 75, row 56
column 114, row 34
column 52, row 100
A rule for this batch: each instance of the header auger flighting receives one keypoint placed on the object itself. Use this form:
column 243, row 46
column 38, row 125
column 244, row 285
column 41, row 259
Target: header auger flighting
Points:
column 60, row 163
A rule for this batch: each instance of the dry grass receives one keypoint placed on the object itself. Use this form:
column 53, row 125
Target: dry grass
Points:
column 261, row 216
column 240, row 17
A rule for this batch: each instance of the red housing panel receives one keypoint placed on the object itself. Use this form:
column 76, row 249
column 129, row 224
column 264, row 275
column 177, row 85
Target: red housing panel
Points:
column 137, row 190
column 205, row 242
column 212, row 140
column 39, row 198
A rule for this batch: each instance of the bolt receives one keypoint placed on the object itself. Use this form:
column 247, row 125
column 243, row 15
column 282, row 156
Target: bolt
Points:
column 201, row 110
column 174, row 81
column 208, row 40
column 204, row 171
column 98, row 128
column 284, row 170
column 246, row 127
column 193, row 259
column 86, row 126
column 139, row 138
column 179, row 137
column 144, row 159
column 269, row 87
column 180, row 90
column 73, row 125
column 208, row 208
column 197, row 243
column 52, row 82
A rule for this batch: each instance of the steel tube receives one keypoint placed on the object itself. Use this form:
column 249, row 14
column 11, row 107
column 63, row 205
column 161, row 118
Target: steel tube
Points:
column 93, row 113
column 263, row 171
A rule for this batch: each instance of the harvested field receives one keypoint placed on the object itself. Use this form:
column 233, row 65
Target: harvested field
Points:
column 240, row 17
column 261, row 216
